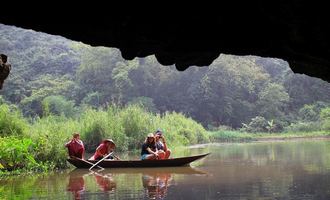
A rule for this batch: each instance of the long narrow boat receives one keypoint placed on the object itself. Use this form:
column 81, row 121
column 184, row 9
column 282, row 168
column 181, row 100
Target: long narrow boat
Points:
column 172, row 162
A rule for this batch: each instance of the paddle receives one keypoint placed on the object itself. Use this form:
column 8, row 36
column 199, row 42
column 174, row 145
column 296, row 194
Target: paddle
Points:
column 100, row 160
column 101, row 168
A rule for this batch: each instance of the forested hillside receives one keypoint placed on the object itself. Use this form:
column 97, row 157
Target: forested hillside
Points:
column 53, row 75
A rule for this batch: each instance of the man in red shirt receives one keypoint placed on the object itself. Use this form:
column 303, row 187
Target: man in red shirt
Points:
column 76, row 147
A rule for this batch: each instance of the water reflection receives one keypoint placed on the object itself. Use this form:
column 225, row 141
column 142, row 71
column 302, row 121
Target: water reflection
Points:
column 156, row 184
column 155, row 181
column 76, row 185
column 105, row 182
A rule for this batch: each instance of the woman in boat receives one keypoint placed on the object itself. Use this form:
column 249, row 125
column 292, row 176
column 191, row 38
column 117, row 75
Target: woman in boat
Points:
column 107, row 146
column 163, row 151
column 149, row 150
column 76, row 147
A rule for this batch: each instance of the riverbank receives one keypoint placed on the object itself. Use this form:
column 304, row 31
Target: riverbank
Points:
column 236, row 136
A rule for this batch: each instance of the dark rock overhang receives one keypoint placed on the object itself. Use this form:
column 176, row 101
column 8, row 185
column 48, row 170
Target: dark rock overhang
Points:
column 295, row 31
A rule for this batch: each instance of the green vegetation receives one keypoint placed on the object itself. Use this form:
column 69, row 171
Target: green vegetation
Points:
column 237, row 136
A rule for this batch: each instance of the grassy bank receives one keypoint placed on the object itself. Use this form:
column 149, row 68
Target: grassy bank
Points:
column 236, row 136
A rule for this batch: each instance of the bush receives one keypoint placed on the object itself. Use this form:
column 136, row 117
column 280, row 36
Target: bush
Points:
column 260, row 124
column 11, row 121
column 137, row 123
column 183, row 130
column 307, row 113
column 210, row 127
column 96, row 125
column 58, row 105
column 303, row 127
column 92, row 99
column 229, row 136
column 325, row 118
column 326, row 125
column 257, row 125
column 145, row 102
column 16, row 153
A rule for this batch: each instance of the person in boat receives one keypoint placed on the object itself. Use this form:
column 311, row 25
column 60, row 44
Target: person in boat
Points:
column 76, row 147
column 149, row 150
column 163, row 151
column 107, row 146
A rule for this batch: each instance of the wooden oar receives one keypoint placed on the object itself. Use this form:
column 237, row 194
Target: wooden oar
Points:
column 101, row 168
column 100, row 160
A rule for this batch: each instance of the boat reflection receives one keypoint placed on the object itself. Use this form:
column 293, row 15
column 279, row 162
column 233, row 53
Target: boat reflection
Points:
column 155, row 181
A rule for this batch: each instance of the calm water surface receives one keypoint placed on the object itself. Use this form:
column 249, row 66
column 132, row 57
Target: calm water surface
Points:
column 272, row 170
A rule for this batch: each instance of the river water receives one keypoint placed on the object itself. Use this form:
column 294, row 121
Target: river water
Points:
column 267, row 170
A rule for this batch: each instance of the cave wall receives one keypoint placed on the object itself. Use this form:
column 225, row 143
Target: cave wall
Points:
column 295, row 31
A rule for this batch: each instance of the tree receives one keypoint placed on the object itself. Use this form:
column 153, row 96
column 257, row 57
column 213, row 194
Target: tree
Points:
column 58, row 105
column 325, row 118
column 307, row 113
column 272, row 101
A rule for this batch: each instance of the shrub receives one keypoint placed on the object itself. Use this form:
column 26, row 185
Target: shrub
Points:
column 11, row 121
column 257, row 124
column 16, row 153
column 303, row 127
column 325, row 118
column 58, row 105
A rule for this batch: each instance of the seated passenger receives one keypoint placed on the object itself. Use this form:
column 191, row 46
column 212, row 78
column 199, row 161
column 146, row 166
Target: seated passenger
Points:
column 76, row 147
column 149, row 151
column 163, row 151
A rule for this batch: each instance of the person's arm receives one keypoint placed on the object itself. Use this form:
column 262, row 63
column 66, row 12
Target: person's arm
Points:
column 152, row 152
column 68, row 143
column 99, row 151
column 164, row 143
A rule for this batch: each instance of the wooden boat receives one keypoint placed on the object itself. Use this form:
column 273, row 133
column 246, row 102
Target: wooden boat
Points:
column 172, row 162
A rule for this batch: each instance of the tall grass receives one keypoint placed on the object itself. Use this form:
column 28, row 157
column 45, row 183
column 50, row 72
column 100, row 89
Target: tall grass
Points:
column 11, row 121
column 50, row 134
column 231, row 136
column 237, row 136
column 129, row 126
